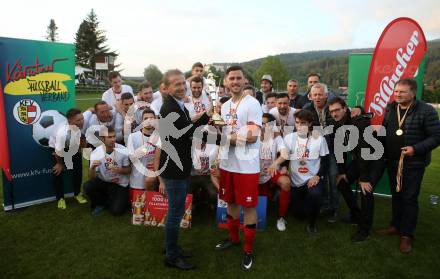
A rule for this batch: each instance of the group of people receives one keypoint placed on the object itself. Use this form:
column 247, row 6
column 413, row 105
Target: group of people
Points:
column 247, row 143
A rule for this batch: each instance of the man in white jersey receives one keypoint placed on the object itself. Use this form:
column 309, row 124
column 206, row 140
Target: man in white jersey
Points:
column 104, row 116
column 272, row 175
column 60, row 141
column 198, row 102
column 270, row 102
column 143, row 100
column 157, row 103
column 108, row 176
column 142, row 155
column 240, row 163
column 197, row 70
column 113, row 95
column 283, row 113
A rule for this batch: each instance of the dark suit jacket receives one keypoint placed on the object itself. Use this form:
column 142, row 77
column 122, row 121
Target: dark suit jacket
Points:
column 299, row 102
column 181, row 144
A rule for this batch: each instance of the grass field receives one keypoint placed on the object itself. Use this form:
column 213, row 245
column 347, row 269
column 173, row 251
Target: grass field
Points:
column 44, row 242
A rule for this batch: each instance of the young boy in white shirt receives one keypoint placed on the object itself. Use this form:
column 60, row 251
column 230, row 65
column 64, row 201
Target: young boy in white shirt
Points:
column 307, row 153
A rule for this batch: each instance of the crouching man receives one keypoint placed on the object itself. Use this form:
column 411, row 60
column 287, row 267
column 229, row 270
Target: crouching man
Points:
column 108, row 176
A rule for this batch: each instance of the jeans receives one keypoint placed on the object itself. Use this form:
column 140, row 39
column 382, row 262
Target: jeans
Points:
column 405, row 204
column 365, row 214
column 330, row 189
column 176, row 191
column 307, row 201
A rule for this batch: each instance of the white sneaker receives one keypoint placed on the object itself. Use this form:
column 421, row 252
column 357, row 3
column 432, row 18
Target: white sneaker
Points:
column 281, row 224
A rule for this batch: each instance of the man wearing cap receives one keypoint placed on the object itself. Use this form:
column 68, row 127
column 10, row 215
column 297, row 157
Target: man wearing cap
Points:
column 266, row 88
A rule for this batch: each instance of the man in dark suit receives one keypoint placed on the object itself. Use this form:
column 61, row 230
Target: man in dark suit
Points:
column 176, row 162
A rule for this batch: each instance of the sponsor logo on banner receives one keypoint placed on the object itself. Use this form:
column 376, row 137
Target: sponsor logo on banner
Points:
column 27, row 111
column 37, row 79
column 397, row 55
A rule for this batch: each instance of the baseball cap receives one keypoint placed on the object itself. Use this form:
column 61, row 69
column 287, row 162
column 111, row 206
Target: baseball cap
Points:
column 267, row 77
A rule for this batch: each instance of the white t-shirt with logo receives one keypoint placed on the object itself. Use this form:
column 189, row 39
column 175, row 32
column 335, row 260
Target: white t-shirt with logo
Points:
column 204, row 159
column 110, row 97
column 118, row 158
column 288, row 120
column 268, row 154
column 196, row 106
column 305, row 156
column 241, row 158
column 140, row 165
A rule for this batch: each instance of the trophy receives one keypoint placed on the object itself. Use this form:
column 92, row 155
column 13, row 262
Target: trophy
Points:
column 213, row 92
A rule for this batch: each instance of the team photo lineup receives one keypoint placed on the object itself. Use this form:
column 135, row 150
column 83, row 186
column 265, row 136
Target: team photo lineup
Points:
column 233, row 143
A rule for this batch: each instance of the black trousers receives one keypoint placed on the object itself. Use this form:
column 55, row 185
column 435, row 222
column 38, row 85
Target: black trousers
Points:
column 77, row 177
column 405, row 204
column 307, row 201
column 365, row 213
column 200, row 183
column 110, row 195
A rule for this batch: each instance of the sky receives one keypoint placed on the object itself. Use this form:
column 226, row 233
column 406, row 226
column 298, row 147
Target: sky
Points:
column 175, row 34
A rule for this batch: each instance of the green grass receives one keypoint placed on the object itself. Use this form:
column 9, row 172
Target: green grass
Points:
column 43, row 242
column 87, row 100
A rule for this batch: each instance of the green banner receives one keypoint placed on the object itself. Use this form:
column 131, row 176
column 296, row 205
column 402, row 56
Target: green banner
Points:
column 358, row 67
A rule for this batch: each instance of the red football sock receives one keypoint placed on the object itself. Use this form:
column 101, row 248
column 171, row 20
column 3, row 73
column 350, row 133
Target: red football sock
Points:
column 233, row 225
column 250, row 232
column 283, row 203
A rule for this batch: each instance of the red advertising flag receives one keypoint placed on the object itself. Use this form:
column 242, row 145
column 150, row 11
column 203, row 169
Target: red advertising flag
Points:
column 397, row 55
column 4, row 148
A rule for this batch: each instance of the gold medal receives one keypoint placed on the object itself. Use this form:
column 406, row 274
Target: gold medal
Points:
column 400, row 120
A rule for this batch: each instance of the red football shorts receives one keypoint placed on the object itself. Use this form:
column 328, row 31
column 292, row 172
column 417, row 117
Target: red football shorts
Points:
column 239, row 188
column 265, row 189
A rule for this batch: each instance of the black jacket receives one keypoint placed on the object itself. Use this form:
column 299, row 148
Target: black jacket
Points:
column 361, row 122
column 421, row 130
column 182, row 144
column 299, row 102
column 311, row 107
column 259, row 96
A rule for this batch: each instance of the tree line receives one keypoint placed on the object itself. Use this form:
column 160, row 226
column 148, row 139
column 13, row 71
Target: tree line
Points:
column 90, row 40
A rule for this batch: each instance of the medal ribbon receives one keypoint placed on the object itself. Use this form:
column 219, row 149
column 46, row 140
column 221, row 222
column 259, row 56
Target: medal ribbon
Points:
column 399, row 120
column 231, row 121
column 402, row 156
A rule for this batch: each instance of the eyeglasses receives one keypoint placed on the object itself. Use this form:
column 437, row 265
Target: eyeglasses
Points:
column 335, row 110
